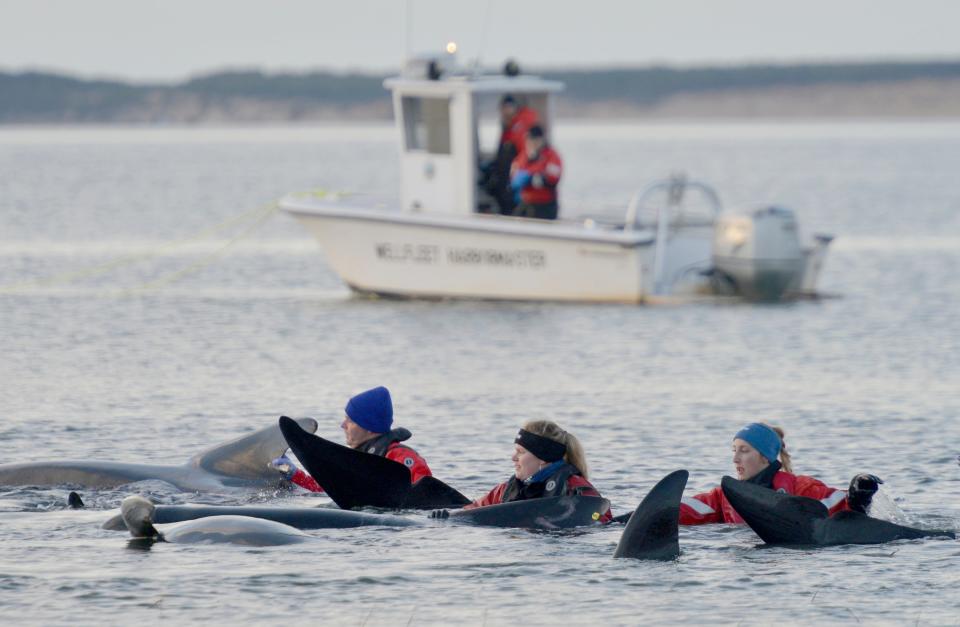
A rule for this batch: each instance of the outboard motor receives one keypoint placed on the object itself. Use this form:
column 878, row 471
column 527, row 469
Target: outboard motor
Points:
column 758, row 255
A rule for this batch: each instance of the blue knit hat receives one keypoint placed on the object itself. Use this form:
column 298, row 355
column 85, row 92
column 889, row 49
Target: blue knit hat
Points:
column 372, row 410
column 762, row 438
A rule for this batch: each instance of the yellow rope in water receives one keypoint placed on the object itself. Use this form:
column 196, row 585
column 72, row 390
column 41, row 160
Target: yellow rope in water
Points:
column 202, row 263
column 259, row 214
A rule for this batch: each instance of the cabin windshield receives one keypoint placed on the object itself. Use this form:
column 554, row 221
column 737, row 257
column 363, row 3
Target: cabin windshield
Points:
column 426, row 124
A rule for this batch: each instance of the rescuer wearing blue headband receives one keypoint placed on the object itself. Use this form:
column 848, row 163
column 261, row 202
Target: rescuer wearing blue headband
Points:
column 760, row 456
column 761, row 437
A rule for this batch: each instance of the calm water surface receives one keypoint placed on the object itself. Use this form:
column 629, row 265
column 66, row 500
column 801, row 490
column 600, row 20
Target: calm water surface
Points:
column 133, row 334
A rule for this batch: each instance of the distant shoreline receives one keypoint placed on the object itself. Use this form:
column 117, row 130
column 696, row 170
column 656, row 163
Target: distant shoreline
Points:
column 840, row 91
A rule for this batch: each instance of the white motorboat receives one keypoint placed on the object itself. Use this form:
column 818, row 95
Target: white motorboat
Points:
column 439, row 239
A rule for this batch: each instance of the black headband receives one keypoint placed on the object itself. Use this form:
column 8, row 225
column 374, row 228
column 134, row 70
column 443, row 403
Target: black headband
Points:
column 544, row 448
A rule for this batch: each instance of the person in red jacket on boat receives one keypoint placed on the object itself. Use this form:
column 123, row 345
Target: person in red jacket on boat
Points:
column 760, row 456
column 547, row 461
column 515, row 119
column 366, row 427
column 534, row 176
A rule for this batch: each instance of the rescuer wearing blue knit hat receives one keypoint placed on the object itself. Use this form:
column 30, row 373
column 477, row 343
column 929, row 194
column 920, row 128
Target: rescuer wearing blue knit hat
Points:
column 372, row 410
column 367, row 426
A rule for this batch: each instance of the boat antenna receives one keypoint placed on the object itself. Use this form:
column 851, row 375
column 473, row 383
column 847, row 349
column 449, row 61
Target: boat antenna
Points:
column 407, row 28
column 483, row 39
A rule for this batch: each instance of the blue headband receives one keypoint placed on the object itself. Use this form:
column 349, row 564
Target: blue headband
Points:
column 762, row 438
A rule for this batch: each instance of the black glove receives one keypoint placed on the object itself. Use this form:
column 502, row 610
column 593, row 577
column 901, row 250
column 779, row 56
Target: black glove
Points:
column 861, row 491
column 440, row 513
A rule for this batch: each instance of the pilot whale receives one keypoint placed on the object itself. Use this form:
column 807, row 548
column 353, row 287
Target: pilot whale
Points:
column 780, row 518
column 652, row 531
column 239, row 463
column 138, row 514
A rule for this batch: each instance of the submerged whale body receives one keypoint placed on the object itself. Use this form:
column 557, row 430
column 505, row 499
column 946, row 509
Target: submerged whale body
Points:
column 780, row 518
column 561, row 512
column 296, row 517
column 239, row 463
column 138, row 515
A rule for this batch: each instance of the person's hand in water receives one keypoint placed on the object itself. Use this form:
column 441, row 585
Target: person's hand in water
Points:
column 861, row 491
column 285, row 466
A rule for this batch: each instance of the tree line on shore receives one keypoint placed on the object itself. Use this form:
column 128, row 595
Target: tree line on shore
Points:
column 37, row 97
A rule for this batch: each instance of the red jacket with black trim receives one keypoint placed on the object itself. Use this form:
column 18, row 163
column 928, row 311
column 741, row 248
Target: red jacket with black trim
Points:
column 545, row 171
column 575, row 485
column 713, row 506
column 397, row 452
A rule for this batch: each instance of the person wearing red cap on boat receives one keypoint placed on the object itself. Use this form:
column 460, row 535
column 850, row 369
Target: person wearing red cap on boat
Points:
column 760, row 456
column 547, row 461
column 367, row 427
column 534, row 176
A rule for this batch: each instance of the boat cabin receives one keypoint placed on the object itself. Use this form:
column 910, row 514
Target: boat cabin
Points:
column 438, row 113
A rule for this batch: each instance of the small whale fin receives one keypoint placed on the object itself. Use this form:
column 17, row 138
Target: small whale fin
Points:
column 74, row 501
column 780, row 518
column 248, row 456
column 114, row 523
column 777, row 517
column 652, row 533
column 137, row 513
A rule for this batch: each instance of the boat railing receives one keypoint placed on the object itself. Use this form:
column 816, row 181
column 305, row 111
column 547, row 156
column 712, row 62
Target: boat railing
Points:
column 672, row 211
column 642, row 213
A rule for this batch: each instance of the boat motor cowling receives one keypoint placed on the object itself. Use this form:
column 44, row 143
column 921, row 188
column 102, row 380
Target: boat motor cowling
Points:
column 759, row 252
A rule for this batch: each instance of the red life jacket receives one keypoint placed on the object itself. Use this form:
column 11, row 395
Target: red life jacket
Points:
column 545, row 170
column 515, row 131
column 713, row 506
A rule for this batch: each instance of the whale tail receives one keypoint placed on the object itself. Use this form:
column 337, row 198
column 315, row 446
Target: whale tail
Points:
column 780, row 518
column 137, row 513
column 652, row 533
column 248, row 456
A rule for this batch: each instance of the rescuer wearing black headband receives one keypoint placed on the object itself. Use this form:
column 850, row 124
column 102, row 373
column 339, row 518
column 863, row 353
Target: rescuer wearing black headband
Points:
column 547, row 461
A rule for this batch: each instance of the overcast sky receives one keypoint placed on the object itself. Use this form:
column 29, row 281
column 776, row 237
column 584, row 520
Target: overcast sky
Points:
column 148, row 40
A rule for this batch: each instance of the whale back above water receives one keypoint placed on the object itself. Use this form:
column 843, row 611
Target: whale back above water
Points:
column 780, row 518
column 240, row 462
column 139, row 517
column 241, row 530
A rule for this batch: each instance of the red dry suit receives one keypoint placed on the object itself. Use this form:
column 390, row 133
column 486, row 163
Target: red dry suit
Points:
column 544, row 169
column 386, row 445
column 565, row 481
column 515, row 131
column 713, row 506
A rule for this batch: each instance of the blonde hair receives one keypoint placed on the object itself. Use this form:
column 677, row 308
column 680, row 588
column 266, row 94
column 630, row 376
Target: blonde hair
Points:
column 785, row 462
column 549, row 429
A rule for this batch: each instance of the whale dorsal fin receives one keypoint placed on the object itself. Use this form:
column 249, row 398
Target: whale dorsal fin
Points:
column 652, row 532
column 247, row 456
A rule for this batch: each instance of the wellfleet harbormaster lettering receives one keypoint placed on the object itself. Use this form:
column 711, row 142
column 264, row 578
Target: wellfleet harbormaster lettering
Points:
column 430, row 254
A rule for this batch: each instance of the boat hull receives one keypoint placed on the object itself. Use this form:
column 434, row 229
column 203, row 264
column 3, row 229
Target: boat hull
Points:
column 402, row 256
